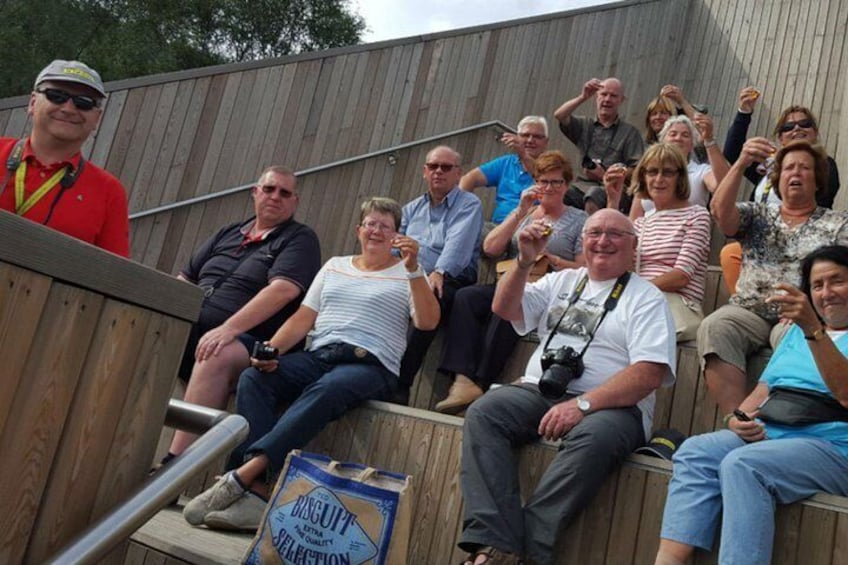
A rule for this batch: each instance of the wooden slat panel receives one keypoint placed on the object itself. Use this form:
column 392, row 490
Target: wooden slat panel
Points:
column 28, row 449
column 21, row 304
column 44, row 250
column 96, row 410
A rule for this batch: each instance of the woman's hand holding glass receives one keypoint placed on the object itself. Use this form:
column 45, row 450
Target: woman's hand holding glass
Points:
column 756, row 150
column 793, row 305
column 408, row 248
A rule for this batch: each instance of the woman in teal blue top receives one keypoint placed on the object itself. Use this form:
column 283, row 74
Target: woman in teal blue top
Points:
column 782, row 445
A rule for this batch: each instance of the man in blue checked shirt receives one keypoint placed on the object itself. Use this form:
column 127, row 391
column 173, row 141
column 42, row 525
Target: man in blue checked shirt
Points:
column 446, row 221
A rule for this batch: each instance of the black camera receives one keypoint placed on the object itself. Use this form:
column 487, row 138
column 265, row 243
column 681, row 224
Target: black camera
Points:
column 560, row 367
column 264, row 352
column 588, row 163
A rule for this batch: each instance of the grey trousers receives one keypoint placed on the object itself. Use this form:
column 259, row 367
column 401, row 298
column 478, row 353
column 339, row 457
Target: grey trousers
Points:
column 507, row 418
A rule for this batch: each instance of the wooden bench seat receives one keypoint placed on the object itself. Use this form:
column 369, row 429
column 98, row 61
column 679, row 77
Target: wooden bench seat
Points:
column 620, row 526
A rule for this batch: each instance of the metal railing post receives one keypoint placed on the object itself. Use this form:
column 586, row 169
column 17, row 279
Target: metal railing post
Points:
column 225, row 431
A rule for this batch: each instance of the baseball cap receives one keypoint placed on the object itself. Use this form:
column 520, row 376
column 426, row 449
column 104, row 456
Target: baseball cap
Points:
column 71, row 71
column 663, row 444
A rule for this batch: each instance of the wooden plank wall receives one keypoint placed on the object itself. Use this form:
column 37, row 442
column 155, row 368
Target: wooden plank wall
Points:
column 88, row 367
column 171, row 137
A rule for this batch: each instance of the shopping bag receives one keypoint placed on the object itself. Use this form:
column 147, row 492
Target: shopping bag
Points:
column 324, row 511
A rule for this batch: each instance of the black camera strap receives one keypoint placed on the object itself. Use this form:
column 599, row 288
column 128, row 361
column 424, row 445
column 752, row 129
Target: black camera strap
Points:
column 609, row 305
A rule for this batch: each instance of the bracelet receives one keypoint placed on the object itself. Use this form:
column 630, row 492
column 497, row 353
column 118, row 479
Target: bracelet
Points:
column 710, row 143
column 418, row 273
column 725, row 422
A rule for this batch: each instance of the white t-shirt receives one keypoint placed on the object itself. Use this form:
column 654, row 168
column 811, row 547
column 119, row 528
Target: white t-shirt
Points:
column 640, row 328
column 370, row 309
column 698, row 193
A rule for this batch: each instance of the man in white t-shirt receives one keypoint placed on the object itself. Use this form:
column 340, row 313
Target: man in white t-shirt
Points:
column 604, row 414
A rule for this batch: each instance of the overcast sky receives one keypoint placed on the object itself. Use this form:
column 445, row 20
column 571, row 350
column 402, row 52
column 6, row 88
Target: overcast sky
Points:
column 391, row 19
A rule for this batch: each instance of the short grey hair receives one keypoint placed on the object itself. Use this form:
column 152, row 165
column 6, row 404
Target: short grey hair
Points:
column 533, row 120
column 680, row 119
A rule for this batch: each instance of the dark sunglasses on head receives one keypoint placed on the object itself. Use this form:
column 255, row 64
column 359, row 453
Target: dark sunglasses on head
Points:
column 58, row 96
column 805, row 123
column 271, row 189
column 444, row 167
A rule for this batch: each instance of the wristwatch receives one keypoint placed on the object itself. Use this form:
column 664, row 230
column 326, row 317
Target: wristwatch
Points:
column 416, row 274
column 583, row 404
column 817, row 335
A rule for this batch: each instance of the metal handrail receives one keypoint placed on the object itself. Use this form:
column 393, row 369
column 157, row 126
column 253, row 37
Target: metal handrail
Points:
column 311, row 170
column 225, row 431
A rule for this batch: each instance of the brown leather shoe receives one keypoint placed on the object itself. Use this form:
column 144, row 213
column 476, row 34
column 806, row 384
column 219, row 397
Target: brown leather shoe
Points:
column 462, row 392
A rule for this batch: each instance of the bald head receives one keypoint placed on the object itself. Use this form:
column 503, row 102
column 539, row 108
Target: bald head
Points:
column 609, row 243
column 608, row 98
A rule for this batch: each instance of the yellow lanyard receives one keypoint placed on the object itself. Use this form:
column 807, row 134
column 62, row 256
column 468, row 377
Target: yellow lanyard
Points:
column 23, row 206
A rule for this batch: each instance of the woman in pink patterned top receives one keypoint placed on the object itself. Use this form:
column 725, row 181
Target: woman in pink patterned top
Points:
column 674, row 242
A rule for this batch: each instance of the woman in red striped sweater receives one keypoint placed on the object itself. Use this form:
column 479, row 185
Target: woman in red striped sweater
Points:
column 674, row 242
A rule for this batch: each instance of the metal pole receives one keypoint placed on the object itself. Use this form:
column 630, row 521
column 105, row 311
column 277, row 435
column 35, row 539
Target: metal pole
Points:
column 311, row 170
column 226, row 433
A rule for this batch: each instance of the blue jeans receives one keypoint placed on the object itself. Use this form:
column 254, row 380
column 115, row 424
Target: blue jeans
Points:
column 319, row 389
column 720, row 471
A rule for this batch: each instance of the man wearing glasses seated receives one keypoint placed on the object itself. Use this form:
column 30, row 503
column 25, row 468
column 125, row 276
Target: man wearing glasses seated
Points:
column 607, row 343
column 513, row 172
column 446, row 222
column 45, row 177
column 254, row 274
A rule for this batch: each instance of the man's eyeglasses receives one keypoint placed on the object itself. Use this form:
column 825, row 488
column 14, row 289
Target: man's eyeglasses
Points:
column 553, row 183
column 615, row 235
column 270, row 189
column 789, row 126
column 58, row 96
column 444, row 167
column 374, row 225
column 667, row 173
column 528, row 135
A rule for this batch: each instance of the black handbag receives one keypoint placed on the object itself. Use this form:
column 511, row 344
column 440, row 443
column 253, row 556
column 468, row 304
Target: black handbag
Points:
column 790, row 406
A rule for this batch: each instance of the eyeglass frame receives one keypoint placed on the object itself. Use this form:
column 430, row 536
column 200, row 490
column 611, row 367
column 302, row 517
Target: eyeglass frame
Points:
column 52, row 94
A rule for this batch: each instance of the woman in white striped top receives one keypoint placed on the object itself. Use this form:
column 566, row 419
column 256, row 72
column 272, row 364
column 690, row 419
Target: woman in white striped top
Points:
column 674, row 242
column 357, row 309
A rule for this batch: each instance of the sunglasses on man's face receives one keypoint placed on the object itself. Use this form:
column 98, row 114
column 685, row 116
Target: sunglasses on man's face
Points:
column 444, row 167
column 789, row 126
column 58, row 96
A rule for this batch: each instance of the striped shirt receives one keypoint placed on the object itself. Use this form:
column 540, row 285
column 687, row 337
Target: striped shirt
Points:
column 675, row 239
column 369, row 309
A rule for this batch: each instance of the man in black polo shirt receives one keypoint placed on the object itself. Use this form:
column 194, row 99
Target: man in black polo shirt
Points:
column 602, row 141
column 254, row 275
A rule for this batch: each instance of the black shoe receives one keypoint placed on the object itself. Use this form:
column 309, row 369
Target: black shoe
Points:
column 400, row 395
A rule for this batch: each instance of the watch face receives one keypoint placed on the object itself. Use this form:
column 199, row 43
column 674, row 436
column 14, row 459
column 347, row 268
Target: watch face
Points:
column 583, row 404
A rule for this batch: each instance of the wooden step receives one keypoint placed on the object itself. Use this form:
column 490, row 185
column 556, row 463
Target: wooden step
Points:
column 620, row 526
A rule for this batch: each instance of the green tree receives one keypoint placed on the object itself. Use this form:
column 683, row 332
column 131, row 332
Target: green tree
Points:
column 130, row 38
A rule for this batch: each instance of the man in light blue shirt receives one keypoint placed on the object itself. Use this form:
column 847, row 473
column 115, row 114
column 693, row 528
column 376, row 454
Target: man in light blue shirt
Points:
column 446, row 222
column 513, row 172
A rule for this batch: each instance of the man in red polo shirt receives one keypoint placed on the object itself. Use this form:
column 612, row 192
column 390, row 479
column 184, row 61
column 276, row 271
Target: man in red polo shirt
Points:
column 45, row 178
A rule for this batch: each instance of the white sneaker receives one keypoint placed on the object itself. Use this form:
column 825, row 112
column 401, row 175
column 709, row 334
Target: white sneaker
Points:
column 222, row 494
column 243, row 514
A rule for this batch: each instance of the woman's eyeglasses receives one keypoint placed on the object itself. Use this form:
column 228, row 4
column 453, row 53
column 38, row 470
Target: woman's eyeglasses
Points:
column 805, row 124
